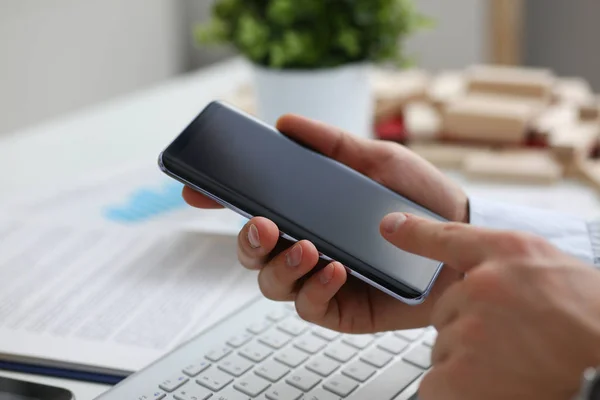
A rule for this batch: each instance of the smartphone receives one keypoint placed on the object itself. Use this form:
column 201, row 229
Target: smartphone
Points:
column 255, row 170
column 13, row 389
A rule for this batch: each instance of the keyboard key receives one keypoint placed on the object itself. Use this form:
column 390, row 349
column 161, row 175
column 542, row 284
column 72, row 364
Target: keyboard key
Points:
column 235, row 365
column 192, row 392
column 230, row 394
column 169, row 385
column 359, row 370
column 303, row 379
column 293, row 326
column 410, row 334
column 430, row 338
column 321, row 394
column 239, row 340
column 283, row 391
column 275, row 339
column 214, row 379
column 392, row 344
column 259, row 327
column 278, row 315
column 310, row 344
column 291, row 357
column 218, row 353
column 358, row 341
column 377, row 358
column 341, row 385
column 323, row 366
column 251, row 385
column 340, row 352
column 156, row 395
column 419, row 356
column 325, row 333
column 194, row 369
column 388, row 384
column 256, row 352
column 271, row 370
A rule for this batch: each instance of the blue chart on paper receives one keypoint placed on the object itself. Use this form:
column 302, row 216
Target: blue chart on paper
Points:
column 147, row 203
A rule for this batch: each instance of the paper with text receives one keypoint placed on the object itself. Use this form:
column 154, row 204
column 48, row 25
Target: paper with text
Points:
column 112, row 300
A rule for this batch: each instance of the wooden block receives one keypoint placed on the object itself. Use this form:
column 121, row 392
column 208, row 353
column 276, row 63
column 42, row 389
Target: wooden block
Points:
column 590, row 111
column 446, row 87
column 573, row 91
column 515, row 81
column 521, row 166
column 572, row 141
column 589, row 172
column 244, row 99
column 422, row 121
column 554, row 117
column 394, row 89
column 445, row 155
column 490, row 119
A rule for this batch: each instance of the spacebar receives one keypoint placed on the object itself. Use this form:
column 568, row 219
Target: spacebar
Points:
column 390, row 383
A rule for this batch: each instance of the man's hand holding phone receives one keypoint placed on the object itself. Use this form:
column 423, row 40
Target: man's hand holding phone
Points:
column 331, row 297
column 495, row 304
column 502, row 319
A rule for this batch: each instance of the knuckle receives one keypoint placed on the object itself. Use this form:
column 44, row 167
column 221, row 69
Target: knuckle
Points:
column 446, row 231
column 248, row 262
column 269, row 293
column 267, row 286
column 470, row 330
column 485, row 283
column 304, row 313
column 521, row 243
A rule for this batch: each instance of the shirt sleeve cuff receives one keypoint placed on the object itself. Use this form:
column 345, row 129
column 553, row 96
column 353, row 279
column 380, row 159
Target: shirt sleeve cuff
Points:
column 594, row 230
column 570, row 234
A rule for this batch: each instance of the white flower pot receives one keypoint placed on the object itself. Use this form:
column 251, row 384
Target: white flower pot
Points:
column 338, row 96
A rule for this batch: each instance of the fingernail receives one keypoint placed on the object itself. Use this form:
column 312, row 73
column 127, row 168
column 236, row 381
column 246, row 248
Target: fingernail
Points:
column 253, row 237
column 326, row 274
column 391, row 222
column 294, row 256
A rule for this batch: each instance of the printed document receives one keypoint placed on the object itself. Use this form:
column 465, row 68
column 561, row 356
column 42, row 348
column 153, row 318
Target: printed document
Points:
column 111, row 300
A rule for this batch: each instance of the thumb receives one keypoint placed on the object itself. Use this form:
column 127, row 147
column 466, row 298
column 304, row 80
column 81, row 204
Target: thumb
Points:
column 459, row 245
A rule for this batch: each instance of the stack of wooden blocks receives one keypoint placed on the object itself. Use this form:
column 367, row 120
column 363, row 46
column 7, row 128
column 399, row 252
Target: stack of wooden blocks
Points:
column 493, row 122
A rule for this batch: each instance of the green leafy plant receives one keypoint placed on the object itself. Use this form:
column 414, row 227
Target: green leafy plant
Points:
column 309, row 34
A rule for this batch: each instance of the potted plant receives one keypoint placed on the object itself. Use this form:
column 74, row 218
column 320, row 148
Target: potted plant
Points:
column 312, row 57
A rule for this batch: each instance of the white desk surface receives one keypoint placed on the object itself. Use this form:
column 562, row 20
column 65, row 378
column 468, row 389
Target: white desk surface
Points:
column 138, row 126
column 125, row 130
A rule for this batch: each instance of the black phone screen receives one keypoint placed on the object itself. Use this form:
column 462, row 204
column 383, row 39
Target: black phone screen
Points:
column 13, row 389
column 259, row 170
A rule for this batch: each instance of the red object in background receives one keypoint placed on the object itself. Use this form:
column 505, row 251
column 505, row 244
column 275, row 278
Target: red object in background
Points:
column 391, row 129
column 595, row 153
column 535, row 140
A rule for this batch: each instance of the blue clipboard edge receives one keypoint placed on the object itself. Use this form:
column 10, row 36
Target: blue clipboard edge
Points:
column 61, row 373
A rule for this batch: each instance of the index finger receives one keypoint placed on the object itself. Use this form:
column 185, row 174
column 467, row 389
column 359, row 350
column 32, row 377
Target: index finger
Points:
column 459, row 245
column 325, row 139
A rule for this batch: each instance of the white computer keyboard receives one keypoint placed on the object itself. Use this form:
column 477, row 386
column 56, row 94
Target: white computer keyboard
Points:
column 265, row 351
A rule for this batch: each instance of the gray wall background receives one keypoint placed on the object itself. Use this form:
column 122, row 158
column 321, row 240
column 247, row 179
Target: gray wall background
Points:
column 58, row 56
column 564, row 35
